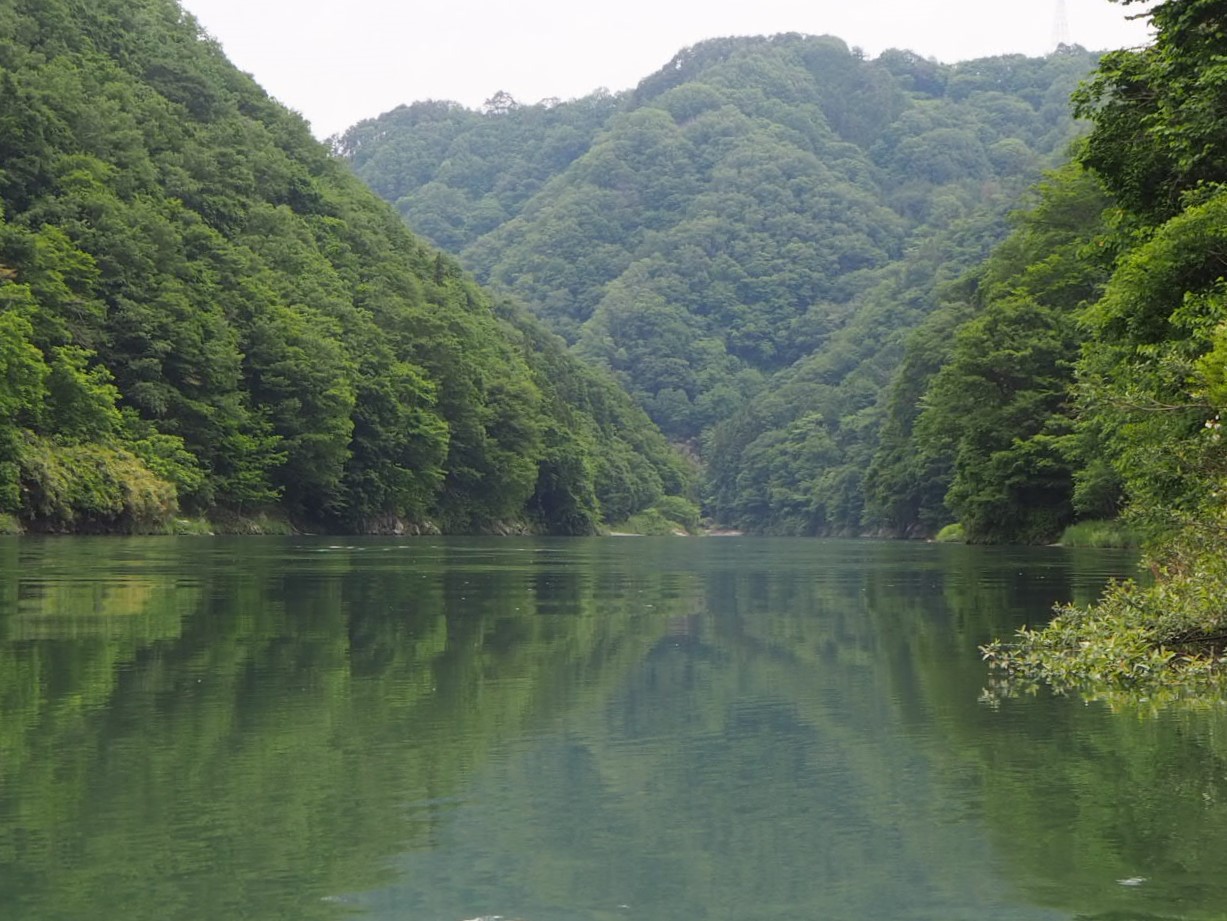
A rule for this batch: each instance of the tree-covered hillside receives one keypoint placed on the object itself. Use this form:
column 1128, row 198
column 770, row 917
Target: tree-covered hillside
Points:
column 980, row 423
column 744, row 239
column 1081, row 372
column 202, row 310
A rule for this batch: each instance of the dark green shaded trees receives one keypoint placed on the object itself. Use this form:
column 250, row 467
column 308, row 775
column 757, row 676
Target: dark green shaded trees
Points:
column 1153, row 366
column 994, row 424
column 744, row 239
column 1151, row 370
column 203, row 304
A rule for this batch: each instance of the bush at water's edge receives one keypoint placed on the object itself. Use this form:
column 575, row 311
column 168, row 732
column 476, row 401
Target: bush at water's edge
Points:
column 1139, row 645
column 1100, row 534
column 951, row 534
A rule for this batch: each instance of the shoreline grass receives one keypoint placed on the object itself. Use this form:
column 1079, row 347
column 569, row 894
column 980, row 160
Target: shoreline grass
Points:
column 1099, row 534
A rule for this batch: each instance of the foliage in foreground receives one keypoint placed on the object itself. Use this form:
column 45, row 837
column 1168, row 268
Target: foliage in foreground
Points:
column 1137, row 645
column 1151, row 376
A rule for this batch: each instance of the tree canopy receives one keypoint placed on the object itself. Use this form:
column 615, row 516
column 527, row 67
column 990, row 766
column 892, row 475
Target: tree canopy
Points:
column 744, row 239
column 202, row 310
column 1147, row 382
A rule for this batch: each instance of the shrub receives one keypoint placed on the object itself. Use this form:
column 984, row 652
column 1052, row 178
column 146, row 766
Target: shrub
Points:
column 88, row 487
column 1139, row 644
column 1099, row 534
column 951, row 534
column 681, row 511
column 655, row 522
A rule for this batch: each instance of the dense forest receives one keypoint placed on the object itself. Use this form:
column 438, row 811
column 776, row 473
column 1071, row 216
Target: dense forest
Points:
column 203, row 313
column 745, row 240
column 890, row 295
column 1125, row 390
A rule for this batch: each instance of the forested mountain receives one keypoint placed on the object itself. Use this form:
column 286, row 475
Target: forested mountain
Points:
column 202, row 309
column 980, row 423
column 1082, row 373
column 744, row 239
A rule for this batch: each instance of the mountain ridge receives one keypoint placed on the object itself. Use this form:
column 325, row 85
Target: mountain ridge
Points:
column 731, row 226
column 205, row 312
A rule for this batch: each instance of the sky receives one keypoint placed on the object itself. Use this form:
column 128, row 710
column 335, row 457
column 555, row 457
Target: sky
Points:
column 338, row 63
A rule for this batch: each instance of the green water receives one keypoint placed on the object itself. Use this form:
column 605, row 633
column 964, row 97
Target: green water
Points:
column 439, row 730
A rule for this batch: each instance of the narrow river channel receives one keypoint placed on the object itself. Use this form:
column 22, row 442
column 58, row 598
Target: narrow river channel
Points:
column 651, row 729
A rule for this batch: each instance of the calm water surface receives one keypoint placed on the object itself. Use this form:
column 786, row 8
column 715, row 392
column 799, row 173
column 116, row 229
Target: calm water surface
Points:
column 439, row 730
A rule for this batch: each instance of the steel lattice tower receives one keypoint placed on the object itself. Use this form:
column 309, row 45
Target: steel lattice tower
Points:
column 1060, row 26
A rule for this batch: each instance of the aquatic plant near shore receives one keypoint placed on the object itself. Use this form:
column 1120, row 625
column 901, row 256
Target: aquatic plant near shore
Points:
column 1098, row 534
column 1138, row 644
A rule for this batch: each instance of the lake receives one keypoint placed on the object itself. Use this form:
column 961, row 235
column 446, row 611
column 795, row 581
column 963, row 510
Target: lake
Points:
column 670, row 729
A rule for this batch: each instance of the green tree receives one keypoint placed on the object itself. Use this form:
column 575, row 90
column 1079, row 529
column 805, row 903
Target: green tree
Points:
column 1155, row 112
column 992, row 369
column 202, row 307
column 761, row 214
column 23, row 375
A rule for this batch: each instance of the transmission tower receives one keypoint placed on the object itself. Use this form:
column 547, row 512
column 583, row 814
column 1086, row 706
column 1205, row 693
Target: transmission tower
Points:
column 1060, row 26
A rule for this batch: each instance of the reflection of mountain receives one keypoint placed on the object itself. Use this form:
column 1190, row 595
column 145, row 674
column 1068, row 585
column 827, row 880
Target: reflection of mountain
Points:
column 770, row 757
column 1074, row 799
column 270, row 742
column 552, row 730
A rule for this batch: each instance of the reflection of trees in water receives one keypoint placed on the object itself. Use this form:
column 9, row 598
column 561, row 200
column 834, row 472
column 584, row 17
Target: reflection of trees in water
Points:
column 847, row 692
column 1075, row 798
column 273, row 735
column 774, row 726
column 751, row 764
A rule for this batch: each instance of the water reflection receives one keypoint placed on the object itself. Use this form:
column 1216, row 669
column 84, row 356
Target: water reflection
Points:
column 444, row 729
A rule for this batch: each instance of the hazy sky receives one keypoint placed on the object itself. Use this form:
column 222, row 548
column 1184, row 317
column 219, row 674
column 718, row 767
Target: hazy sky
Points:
column 338, row 63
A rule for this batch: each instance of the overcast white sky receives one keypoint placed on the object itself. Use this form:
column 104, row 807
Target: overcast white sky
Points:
column 340, row 62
